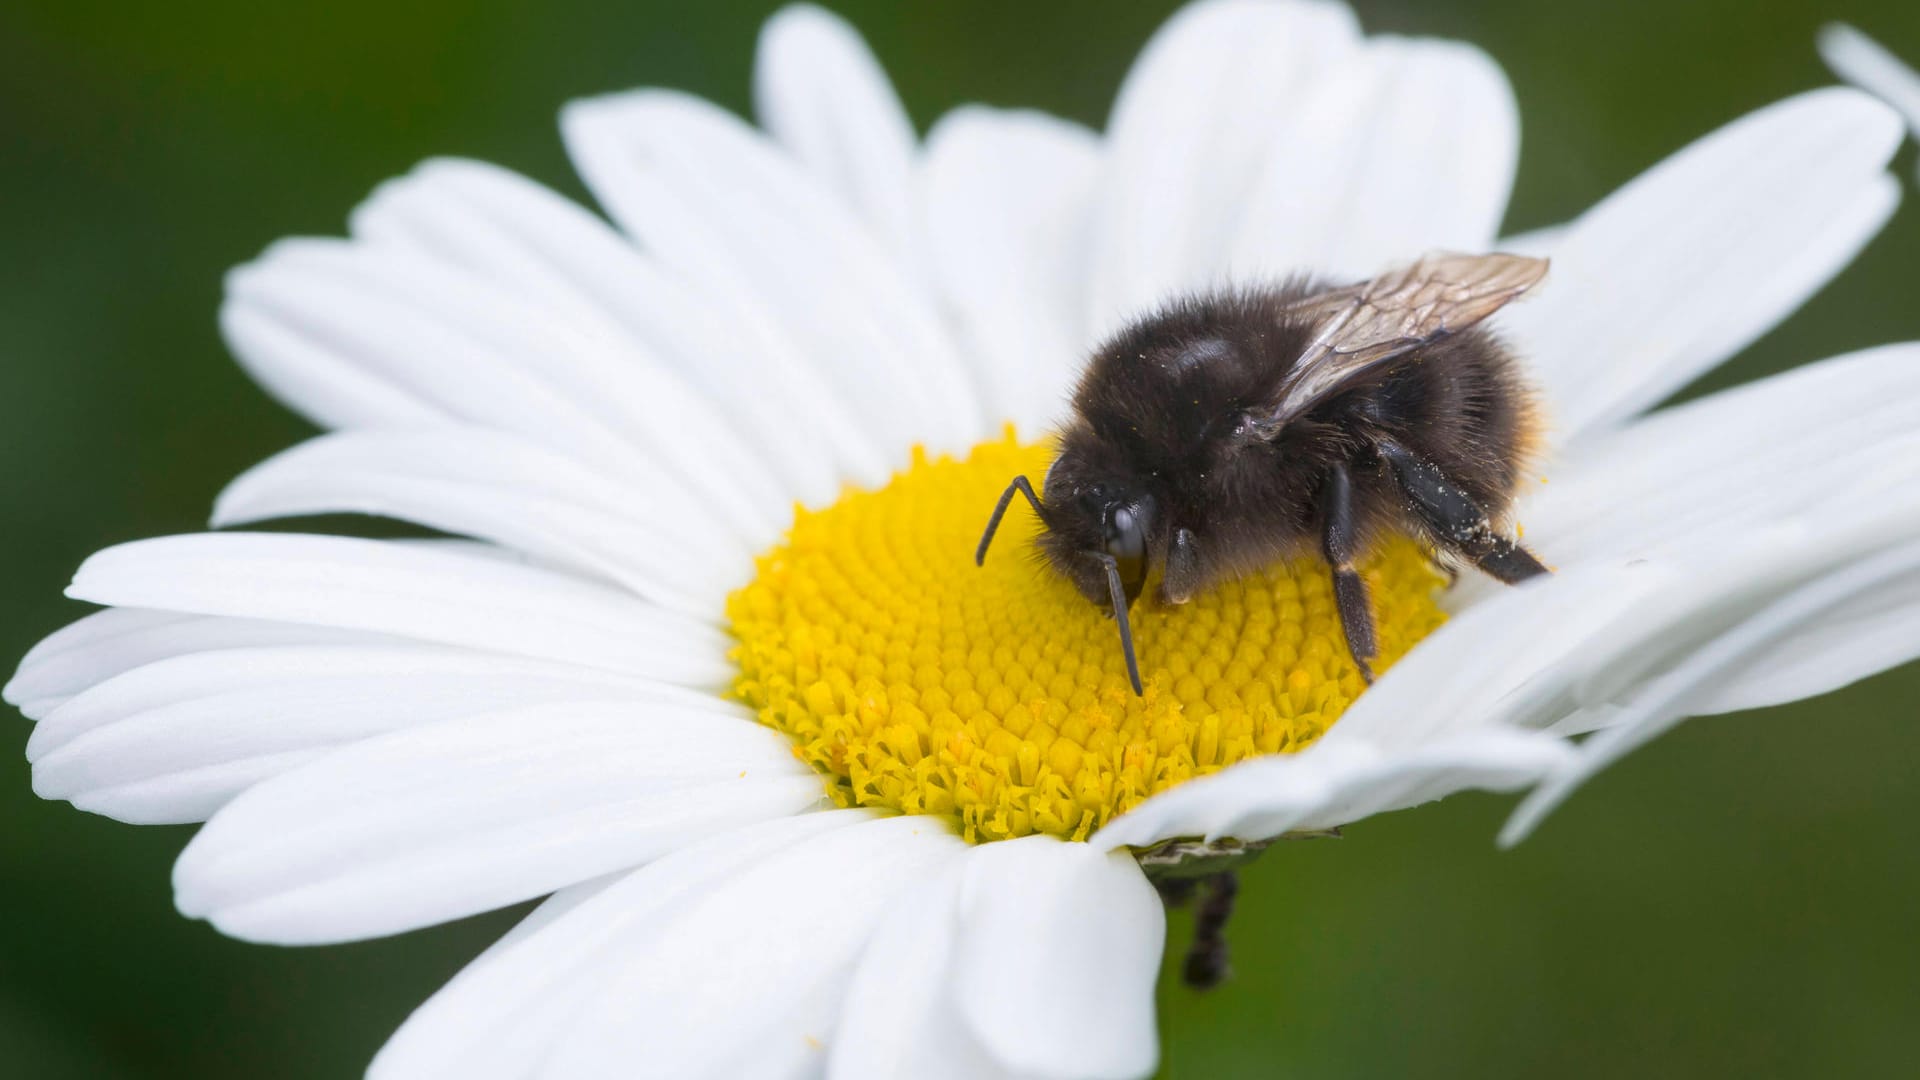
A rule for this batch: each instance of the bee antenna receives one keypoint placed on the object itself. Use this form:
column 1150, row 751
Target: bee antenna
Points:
column 1020, row 485
column 1119, row 594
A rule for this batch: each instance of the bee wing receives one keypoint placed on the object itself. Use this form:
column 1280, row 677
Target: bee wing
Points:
column 1361, row 326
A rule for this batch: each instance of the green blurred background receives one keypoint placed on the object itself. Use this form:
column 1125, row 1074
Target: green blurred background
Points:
column 1738, row 900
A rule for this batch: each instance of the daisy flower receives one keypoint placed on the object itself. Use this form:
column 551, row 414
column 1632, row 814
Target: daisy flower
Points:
column 712, row 668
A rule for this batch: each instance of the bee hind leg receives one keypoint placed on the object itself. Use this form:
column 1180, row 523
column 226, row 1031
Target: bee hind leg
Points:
column 1339, row 543
column 1510, row 562
column 1456, row 520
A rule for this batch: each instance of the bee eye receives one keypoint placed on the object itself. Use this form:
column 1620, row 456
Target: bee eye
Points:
column 1127, row 530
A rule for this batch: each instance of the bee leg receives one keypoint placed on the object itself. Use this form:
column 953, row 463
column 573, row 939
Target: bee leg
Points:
column 1206, row 963
column 1456, row 519
column 1177, row 891
column 1510, row 563
column 1339, row 541
column 1181, row 577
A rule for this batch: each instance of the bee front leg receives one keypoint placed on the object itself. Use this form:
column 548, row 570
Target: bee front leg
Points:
column 1181, row 578
column 1339, row 543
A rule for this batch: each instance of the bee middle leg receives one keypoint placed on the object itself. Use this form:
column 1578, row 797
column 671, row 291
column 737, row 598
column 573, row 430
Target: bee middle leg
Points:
column 1456, row 519
column 1339, row 543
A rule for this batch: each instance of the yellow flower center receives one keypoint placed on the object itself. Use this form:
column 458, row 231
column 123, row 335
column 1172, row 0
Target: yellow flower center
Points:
column 913, row 680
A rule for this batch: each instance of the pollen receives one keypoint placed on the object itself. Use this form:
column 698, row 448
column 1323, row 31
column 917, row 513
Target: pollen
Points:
column 915, row 681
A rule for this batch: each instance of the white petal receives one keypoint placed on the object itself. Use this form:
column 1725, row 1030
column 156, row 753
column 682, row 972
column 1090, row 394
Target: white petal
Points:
column 501, row 1015
column 1721, row 583
column 771, row 950
column 1834, row 648
column 818, row 89
column 1704, row 252
column 500, row 226
column 1007, row 197
column 1188, row 136
column 410, row 591
column 1820, row 437
column 1847, row 642
column 1409, row 147
column 549, row 911
column 317, row 376
column 1588, row 636
column 1868, row 65
column 947, row 1048
column 1540, row 243
column 1681, row 691
column 174, row 740
column 170, row 681
column 481, row 354
column 104, row 644
column 900, row 1017
column 709, row 197
column 1495, row 662
column 644, row 531
column 896, row 994
column 1058, row 951
column 1335, row 782
column 1594, row 636
column 449, row 819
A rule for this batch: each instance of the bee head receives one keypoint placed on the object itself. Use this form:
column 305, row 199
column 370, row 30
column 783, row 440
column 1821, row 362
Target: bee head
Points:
column 1091, row 513
column 1098, row 532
